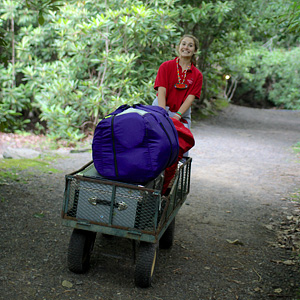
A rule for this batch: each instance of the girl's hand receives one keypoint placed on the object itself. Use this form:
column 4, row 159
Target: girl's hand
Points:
column 177, row 117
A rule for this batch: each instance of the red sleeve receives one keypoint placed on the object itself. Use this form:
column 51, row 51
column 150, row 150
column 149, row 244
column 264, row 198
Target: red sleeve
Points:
column 196, row 89
column 161, row 77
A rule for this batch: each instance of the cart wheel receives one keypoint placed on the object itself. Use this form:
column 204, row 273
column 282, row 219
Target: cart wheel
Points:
column 107, row 236
column 80, row 249
column 145, row 264
column 167, row 239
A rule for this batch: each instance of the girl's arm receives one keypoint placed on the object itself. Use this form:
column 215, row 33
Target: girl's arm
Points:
column 196, row 91
column 186, row 104
column 161, row 96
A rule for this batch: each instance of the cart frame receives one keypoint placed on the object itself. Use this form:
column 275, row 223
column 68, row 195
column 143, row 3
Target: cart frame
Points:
column 177, row 196
column 154, row 216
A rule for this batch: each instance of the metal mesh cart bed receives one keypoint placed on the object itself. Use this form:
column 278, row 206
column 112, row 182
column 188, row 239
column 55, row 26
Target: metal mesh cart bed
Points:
column 93, row 204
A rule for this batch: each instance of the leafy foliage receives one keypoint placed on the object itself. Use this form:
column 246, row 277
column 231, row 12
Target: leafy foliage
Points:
column 292, row 17
column 272, row 76
column 90, row 57
column 88, row 60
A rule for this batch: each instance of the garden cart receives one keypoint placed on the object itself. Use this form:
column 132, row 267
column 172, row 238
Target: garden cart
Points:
column 93, row 204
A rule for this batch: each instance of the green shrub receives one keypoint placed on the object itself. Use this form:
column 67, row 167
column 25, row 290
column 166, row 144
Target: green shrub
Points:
column 93, row 56
column 269, row 75
column 114, row 62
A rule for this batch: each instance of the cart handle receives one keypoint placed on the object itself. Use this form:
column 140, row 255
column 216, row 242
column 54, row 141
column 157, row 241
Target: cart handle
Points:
column 119, row 205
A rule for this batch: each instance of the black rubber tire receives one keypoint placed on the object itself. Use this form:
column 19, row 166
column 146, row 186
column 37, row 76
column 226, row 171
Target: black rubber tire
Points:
column 80, row 248
column 145, row 264
column 107, row 236
column 167, row 239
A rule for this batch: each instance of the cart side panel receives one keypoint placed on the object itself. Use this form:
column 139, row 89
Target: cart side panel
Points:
column 184, row 178
column 179, row 191
column 111, row 204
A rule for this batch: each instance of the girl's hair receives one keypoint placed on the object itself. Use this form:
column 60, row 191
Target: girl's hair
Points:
column 196, row 42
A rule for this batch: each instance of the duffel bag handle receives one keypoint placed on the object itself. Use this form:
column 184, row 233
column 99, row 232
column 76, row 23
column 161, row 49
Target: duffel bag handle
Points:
column 120, row 109
column 151, row 108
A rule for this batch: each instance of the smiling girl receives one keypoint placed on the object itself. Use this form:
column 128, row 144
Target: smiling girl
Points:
column 179, row 82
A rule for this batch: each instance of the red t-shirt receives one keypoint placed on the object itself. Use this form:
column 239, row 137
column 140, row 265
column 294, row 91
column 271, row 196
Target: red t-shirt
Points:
column 167, row 77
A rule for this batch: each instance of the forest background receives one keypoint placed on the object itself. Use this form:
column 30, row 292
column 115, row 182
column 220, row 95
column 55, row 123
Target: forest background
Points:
column 65, row 65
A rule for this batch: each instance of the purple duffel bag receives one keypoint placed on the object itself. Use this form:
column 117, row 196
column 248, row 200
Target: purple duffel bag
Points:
column 135, row 144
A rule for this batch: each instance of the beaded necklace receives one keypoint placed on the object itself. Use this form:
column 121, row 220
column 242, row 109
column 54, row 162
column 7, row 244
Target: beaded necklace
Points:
column 181, row 85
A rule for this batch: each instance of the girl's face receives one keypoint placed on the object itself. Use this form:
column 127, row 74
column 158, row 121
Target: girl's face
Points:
column 187, row 48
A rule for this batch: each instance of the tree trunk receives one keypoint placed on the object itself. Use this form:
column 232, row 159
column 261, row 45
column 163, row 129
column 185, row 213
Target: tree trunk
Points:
column 13, row 51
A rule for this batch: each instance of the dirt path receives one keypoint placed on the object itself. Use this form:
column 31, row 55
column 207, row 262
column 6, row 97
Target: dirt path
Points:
column 226, row 245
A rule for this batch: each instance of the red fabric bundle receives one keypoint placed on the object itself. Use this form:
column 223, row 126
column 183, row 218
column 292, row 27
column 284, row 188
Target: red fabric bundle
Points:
column 186, row 142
